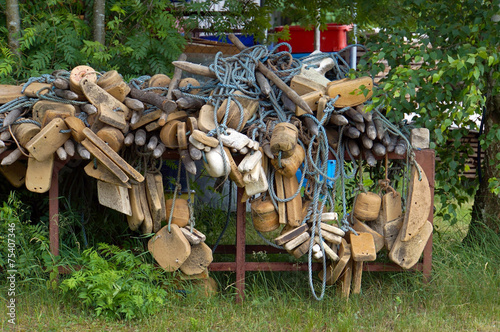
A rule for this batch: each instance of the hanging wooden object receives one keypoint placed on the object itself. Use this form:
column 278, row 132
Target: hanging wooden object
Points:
column 147, row 224
column 154, row 201
column 39, row 174
column 345, row 286
column 114, row 197
column 15, row 173
column 363, row 247
column 294, row 206
column 76, row 125
column 264, row 215
column 198, row 260
column 367, row 206
column 391, row 232
column 291, row 234
column 99, row 171
column 288, row 166
column 206, row 120
column 180, row 216
column 235, row 174
column 407, row 253
column 249, row 107
column 115, row 157
column 137, row 217
column 418, row 204
column 24, row 132
column 169, row 249
column 378, row 239
column 168, row 134
column 284, row 139
column 105, row 160
column 48, row 140
column 334, row 270
column 280, row 193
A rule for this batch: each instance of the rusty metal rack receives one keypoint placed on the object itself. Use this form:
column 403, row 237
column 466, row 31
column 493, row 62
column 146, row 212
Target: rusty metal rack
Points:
column 425, row 158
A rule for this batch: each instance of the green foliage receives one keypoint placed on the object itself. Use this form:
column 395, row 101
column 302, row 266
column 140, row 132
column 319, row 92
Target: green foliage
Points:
column 440, row 68
column 30, row 257
column 141, row 38
column 117, row 284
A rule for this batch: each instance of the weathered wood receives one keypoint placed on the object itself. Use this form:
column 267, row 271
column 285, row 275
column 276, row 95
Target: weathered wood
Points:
column 361, row 227
column 291, row 234
column 15, row 173
column 114, row 197
column 9, row 92
column 39, row 174
column 154, row 99
column 407, row 253
column 333, row 272
column 280, row 193
column 169, row 249
column 154, row 201
column 294, row 206
column 111, row 136
column 111, row 111
column 97, row 170
column 146, row 118
column 235, row 174
column 363, row 247
column 180, row 215
column 357, row 272
column 418, row 204
column 132, row 172
column 302, row 249
column 147, row 224
column 367, row 206
column 264, row 215
column 198, row 260
column 48, row 140
column 391, row 232
column 105, row 160
column 351, row 91
column 194, row 68
column 294, row 243
column 249, row 107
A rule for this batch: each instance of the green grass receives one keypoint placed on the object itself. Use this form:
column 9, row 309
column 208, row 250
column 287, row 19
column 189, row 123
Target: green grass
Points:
column 462, row 295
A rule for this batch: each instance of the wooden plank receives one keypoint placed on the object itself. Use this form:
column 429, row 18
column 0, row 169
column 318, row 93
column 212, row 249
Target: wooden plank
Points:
column 114, row 197
column 132, row 172
column 293, row 207
column 418, row 204
column 280, row 193
column 169, row 249
column 48, row 140
column 105, row 160
column 407, row 253
column 39, row 174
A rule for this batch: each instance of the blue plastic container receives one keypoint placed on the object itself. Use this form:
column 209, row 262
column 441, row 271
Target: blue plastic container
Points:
column 330, row 172
column 247, row 40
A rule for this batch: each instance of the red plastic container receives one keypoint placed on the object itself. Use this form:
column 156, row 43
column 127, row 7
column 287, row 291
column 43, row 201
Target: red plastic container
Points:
column 334, row 38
